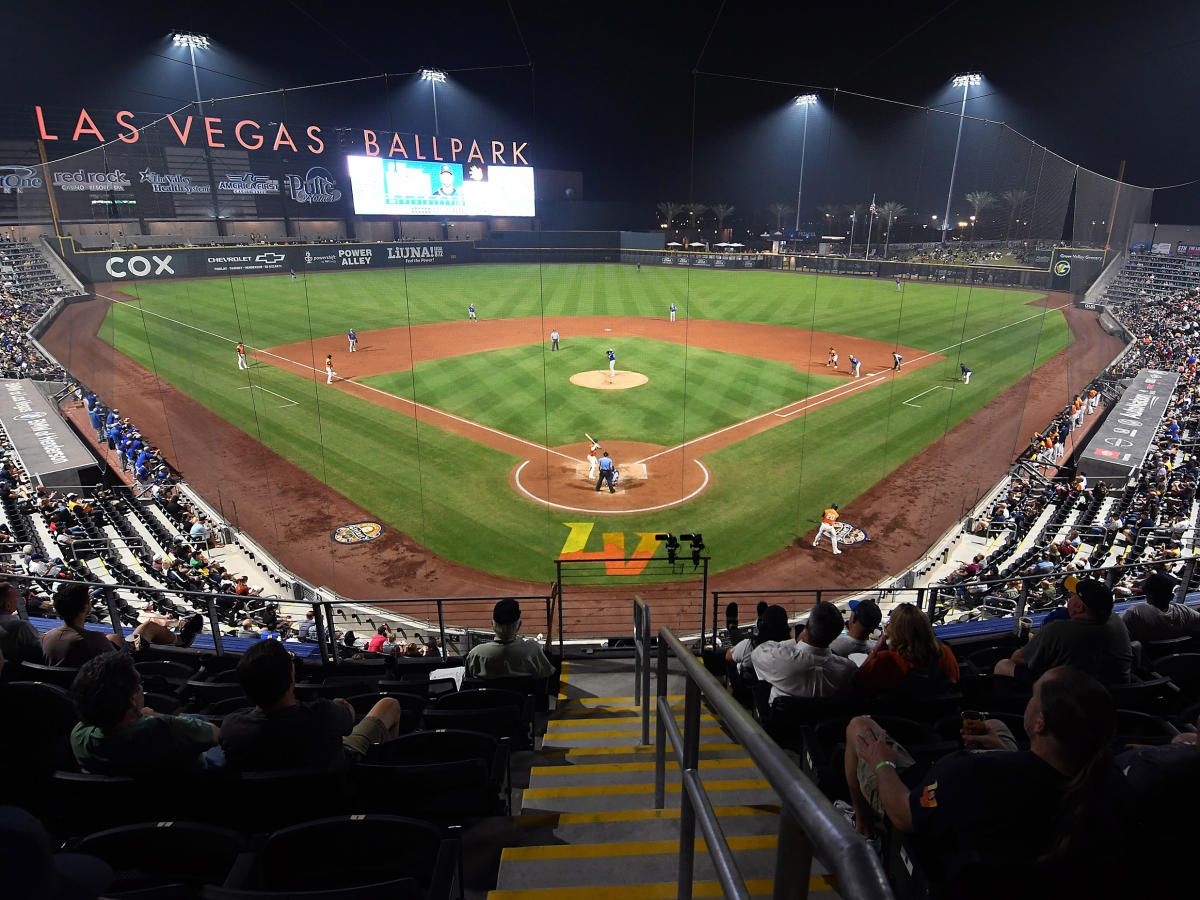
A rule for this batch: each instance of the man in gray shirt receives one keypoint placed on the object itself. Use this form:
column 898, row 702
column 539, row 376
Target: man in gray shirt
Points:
column 1159, row 618
column 19, row 641
column 507, row 654
column 865, row 617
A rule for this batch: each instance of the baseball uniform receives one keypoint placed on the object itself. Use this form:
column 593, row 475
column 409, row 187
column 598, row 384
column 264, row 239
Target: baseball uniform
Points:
column 471, row 313
column 674, row 309
column 855, row 365
column 612, row 365
column 352, row 337
column 329, row 373
column 828, row 520
column 591, row 458
column 966, row 373
column 292, row 272
column 899, row 286
column 241, row 352
column 897, row 359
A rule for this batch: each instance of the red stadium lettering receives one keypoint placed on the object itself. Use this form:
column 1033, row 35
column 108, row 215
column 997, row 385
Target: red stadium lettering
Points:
column 455, row 148
column 370, row 143
column 497, row 151
column 211, row 132
column 131, row 136
column 41, row 122
column 397, row 147
column 257, row 139
column 417, row 146
column 282, row 136
column 516, row 153
column 435, row 150
column 182, row 135
column 90, row 128
column 317, row 146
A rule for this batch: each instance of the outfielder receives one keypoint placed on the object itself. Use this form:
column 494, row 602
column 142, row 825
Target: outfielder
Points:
column 241, row 352
column 855, row 366
column 612, row 364
column 352, row 337
column 966, row 373
column 899, row 286
column 292, row 272
column 897, row 359
column 471, row 313
column 828, row 521
column 329, row 373
column 674, row 309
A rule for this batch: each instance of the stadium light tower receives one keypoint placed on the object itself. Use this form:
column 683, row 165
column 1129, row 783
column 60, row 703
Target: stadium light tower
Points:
column 434, row 77
column 964, row 81
column 804, row 101
column 194, row 42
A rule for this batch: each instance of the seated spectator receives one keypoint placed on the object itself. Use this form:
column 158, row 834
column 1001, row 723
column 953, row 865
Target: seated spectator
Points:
column 771, row 627
column 1056, row 804
column 19, row 641
column 378, row 639
column 167, row 630
column 310, row 631
column 70, row 644
column 118, row 734
column 284, row 733
column 248, row 629
column 865, row 617
column 908, row 656
column 806, row 667
column 1091, row 639
column 508, row 654
column 1160, row 618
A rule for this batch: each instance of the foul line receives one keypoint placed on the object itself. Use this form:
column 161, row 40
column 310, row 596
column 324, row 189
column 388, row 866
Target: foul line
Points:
column 609, row 512
column 431, row 409
column 936, row 387
column 290, row 401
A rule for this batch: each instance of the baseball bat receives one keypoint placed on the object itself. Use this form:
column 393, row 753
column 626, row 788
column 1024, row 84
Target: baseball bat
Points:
column 590, row 438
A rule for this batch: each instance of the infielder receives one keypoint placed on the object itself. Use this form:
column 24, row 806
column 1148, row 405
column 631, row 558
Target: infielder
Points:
column 607, row 471
column 855, row 365
column 832, row 362
column 352, row 337
column 897, row 359
column 674, row 309
column 241, row 352
column 554, row 339
column 828, row 521
column 966, row 373
column 612, row 364
column 329, row 373
column 591, row 458
column 471, row 313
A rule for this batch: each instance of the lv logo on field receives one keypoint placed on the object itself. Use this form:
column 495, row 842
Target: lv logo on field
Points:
column 614, row 547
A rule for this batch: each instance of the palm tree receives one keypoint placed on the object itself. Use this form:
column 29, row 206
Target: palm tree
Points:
column 694, row 212
column 669, row 211
column 1015, row 199
column 779, row 210
column 979, row 200
column 890, row 212
column 722, row 211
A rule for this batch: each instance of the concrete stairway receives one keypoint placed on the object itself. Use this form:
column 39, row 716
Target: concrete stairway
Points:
column 588, row 817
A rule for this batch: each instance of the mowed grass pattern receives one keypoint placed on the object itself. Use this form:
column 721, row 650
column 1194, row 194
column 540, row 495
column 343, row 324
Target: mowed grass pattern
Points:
column 691, row 391
column 443, row 489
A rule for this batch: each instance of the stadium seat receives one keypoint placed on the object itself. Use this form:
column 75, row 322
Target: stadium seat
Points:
column 397, row 889
column 162, row 703
column 157, row 854
column 166, row 669
column 328, row 690
column 1154, row 695
column 790, row 716
column 46, row 716
column 62, row 676
column 345, row 850
column 411, row 707
column 1135, row 727
column 228, row 705
column 538, row 688
column 203, row 693
column 446, row 792
column 1184, row 671
column 496, row 712
column 447, row 746
column 80, row 804
column 267, row 800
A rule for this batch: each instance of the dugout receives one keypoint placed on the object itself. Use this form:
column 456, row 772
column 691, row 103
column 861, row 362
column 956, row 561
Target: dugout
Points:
column 1123, row 440
column 41, row 438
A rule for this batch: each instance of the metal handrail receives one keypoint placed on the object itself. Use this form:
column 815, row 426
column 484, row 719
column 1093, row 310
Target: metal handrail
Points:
column 808, row 823
column 641, row 662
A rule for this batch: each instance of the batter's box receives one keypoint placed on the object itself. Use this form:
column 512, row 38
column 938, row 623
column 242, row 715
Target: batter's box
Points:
column 638, row 471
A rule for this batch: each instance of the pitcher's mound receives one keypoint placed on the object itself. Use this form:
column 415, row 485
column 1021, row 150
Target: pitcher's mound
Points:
column 599, row 380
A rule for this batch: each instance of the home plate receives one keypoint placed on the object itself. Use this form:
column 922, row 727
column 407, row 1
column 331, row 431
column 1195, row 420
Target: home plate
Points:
column 608, row 329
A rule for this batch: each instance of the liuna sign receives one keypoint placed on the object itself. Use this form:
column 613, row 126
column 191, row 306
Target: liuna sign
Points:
column 198, row 262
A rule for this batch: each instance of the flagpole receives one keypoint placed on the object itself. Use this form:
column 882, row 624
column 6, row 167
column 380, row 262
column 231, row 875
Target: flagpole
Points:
column 870, row 224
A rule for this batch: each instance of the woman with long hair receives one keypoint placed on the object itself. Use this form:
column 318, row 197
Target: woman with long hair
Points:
column 908, row 646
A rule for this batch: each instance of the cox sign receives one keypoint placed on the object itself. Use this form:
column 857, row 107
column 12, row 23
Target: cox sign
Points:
column 138, row 266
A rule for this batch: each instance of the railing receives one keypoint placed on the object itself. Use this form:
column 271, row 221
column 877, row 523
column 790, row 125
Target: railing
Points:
column 641, row 662
column 808, row 824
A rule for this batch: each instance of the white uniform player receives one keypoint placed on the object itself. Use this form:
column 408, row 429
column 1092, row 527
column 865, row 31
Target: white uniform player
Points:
column 828, row 522
column 329, row 373
column 593, row 453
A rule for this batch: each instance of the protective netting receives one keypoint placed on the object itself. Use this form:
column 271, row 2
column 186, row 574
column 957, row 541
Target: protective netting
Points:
column 803, row 228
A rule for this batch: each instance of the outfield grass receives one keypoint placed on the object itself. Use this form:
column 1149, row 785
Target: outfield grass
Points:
column 766, row 489
column 691, row 391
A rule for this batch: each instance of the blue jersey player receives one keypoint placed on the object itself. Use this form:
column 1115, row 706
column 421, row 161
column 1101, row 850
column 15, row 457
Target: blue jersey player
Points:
column 612, row 364
column 471, row 313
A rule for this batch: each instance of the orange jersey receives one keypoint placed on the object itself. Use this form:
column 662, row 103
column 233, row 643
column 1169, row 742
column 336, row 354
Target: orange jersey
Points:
column 830, row 516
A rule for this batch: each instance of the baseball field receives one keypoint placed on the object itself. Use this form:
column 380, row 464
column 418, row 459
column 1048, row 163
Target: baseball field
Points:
column 469, row 436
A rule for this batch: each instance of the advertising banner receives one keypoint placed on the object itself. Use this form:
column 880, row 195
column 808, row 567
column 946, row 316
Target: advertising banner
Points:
column 39, row 435
column 1075, row 270
column 712, row 260
column 1122, row 441
column 199, row 262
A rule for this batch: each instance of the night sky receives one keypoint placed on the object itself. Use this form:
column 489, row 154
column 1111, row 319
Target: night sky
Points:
column 612, row 89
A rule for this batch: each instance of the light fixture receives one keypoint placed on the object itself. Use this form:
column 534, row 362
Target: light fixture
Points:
column 434, row 75
column 967, row 79
column 186, row 39
column 805, row 100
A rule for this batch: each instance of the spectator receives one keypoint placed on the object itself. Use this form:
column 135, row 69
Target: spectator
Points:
column 310, row 631
column 908, row 657
column 284, row 733
column 771, row 627
column 118, row 734
column 19, row 640
column 1159, row 618
column 507, row 654
column 1091, row 639
column 71, row 644
column 1055, row 803
column 378, row 639
column 806, row 667
column 865, row 617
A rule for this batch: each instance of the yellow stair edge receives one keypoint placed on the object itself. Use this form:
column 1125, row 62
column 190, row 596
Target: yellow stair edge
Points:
column 758, row 887
column 599, row 790
column 638, row 749
column 576, row 721
column 735, row 762
column 605, row 701
column 630, row 848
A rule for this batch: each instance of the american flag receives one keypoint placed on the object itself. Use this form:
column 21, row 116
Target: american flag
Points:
column 873, row 212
